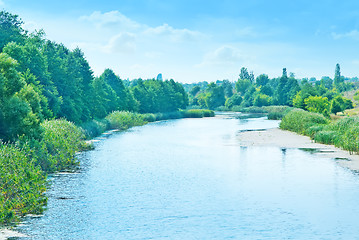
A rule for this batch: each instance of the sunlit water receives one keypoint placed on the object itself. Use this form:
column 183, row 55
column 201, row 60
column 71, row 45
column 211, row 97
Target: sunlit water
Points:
column 190, row 179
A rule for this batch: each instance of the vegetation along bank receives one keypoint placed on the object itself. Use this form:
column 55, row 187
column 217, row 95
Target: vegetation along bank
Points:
column 50, row 102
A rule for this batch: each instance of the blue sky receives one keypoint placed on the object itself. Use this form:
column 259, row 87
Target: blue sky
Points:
column 195, row 40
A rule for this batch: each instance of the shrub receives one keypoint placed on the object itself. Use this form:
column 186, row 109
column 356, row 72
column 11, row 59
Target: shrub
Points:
column 314, row 130
column 22, row 185
column 198, row 113
column 60, row 140
column 299, row 121
column 94, row 128
column 326, row 137
column 123, row 120
column 149, row 117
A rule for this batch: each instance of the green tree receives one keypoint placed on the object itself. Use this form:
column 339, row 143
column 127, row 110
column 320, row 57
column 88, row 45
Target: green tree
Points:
column 261, row 100
column 10, row 29
column 335, row 107
column 244, row 74
column 234, row 100
column 262, row 80
column 317, row 104
column 242, row 85
column 214, row 96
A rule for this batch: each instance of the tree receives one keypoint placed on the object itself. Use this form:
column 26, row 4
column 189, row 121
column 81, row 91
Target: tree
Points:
column 10, row 29
column 337, row 77
column 242, row 85
column 335, row 107
column 261, row 100
column 262, row 80
column 228, row 88
column 195, row 90
column 234, row 100
column 19, row 103
column 317, row 104
column 244, row 74
column 281, row 94
column 215, row 96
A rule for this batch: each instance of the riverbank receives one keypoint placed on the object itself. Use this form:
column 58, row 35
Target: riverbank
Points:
column 286, row 139
column 7, row 233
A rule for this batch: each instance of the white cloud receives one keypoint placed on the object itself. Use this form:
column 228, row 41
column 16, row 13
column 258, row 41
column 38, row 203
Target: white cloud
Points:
column 121, row 43
column 111, row 19
column 354, row 34
column 174, row 34
column 246, row 32
column 224, row 55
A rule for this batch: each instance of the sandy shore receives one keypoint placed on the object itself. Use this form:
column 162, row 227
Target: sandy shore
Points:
column 7, row 233
column 286, row 139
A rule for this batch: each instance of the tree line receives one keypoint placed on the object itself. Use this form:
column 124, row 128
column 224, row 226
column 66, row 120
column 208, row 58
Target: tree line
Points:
column 41, row 79
column 322, row 96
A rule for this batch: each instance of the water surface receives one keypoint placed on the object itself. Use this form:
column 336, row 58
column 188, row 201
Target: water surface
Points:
column 190, row 179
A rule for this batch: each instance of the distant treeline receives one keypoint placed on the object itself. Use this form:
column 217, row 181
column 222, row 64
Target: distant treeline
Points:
column 322, row 96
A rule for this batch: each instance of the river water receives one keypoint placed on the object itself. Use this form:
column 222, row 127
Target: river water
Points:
column 190, row 179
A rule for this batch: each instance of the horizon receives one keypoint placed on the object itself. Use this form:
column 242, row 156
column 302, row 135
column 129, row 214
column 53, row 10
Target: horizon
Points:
column 202, row 41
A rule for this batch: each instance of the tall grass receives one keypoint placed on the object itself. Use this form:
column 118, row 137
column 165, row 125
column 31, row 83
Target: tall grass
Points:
column 198, row 113
column 343, row 133
column 22, row 185
column 123, row 120
column 300, row 121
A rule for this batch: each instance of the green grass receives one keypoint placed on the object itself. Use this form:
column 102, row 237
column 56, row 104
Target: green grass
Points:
column 123, row 120
column 343, row 133
column 300, row 121
column 198, row 113
column 22, row 185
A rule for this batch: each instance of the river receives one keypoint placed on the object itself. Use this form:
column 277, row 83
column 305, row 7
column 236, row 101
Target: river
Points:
column 190, row 179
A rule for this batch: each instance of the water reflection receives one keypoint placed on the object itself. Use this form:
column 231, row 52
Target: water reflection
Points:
column 189, row 179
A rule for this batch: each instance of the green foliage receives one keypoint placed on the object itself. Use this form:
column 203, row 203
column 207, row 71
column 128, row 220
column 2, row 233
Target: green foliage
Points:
column 262, row 80
column 159, row 96
column 213, row 98
column 123, row 120
column 242, row 85
column 10, row 29
column 277, row 112
column 326, row 137
column 60, row 140
column 262, row 100
column 335, row 106
column 198, row 113
column 95, row 128
column 234, row 100
column 22, row 185
column 317, row 104
column 300, row 121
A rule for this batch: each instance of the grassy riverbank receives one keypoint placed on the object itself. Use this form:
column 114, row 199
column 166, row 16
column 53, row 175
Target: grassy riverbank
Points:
column 342, row 133
column 25, row 163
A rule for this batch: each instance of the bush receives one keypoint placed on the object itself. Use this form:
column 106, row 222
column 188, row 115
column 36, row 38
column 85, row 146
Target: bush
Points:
column 94, row 128
column 299, row 121
column 326, row 137
column 198, row 113
column 222, row 109
column 314, row 130
column 123, row 120
column 149, row 117
column 60, row 140
column 275, row 115
column 22, row 185
column 169, row 115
